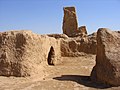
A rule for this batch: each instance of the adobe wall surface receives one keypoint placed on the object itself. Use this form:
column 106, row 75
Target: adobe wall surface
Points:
column 23, row 53
column 70, row 24
column 78, row 46
column 107, row 68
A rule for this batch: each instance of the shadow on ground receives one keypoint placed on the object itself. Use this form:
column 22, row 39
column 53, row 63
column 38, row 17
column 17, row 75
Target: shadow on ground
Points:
column 83, row 80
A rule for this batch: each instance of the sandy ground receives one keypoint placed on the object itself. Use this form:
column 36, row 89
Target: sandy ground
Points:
column 72, row 74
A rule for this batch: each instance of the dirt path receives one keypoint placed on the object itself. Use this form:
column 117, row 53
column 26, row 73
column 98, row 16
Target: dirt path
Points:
column 71, row 74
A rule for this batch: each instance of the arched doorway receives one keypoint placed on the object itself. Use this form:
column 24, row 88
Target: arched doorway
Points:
column 51, row 56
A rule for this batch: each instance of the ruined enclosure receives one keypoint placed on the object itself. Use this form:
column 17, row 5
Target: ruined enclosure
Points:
column 23, row 53
column 51, row 56
column 65, row 57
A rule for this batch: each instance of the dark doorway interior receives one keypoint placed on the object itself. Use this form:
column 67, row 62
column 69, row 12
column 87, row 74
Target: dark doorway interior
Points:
column 51, row 56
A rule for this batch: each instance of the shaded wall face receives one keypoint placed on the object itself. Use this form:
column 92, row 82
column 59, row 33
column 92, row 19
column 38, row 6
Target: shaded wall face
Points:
column 107, row 68
column 23, row 53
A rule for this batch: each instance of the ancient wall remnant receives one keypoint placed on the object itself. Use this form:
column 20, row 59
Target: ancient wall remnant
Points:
column 70, row 24
column 107, row 68
column 23, row 53
column 78, row 46
column 82, row 30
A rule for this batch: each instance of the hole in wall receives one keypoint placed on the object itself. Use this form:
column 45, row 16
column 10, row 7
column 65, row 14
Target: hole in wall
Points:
column 51, row 56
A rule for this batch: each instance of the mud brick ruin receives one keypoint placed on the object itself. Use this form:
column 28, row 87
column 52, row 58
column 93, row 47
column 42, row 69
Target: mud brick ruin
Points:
column 24, row 53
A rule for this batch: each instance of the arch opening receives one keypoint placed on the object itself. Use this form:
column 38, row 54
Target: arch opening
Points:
column 51, row 56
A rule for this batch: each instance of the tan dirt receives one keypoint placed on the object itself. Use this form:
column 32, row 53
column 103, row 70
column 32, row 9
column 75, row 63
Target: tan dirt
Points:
column 72, row 74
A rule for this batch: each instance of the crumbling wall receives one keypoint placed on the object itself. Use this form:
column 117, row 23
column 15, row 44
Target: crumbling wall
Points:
column 73, row 47
column 70, row 24
column 78, row 42
column 76, row 46
column 23, row 53
column 107, row 68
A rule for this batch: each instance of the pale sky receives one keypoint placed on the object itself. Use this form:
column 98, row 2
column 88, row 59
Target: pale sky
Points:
column 46, row 16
